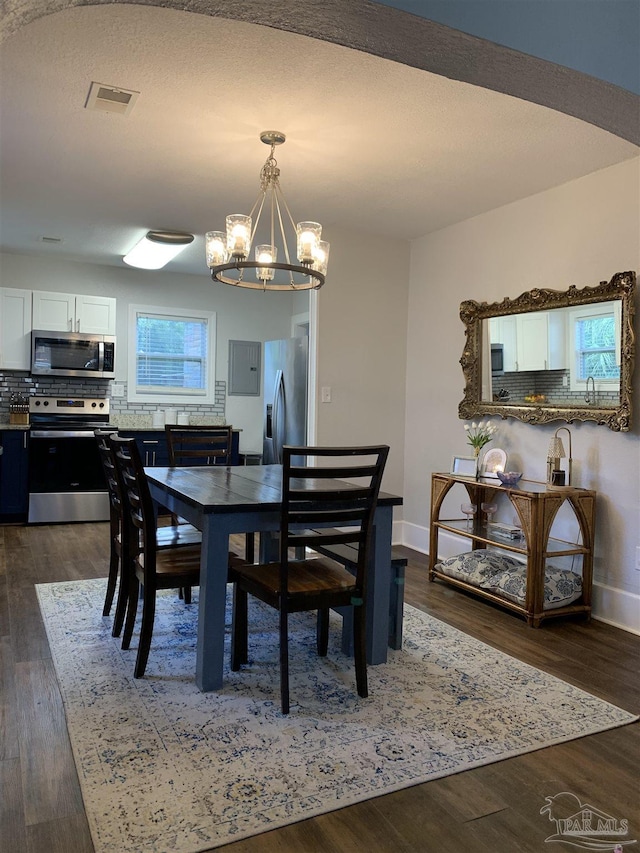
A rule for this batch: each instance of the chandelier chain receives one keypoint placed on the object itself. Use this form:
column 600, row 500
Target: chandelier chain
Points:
column 270, row 172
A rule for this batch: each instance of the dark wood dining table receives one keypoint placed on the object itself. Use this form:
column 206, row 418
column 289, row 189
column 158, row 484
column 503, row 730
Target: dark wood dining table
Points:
column 221, row 501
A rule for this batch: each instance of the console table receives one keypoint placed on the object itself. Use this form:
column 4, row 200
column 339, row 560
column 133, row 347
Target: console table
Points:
column 536, row 506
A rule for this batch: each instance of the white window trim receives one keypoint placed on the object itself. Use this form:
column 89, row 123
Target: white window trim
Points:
column 584, row 312
column 206, row 397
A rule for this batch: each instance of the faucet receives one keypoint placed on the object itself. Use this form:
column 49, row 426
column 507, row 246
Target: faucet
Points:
column 587, row 397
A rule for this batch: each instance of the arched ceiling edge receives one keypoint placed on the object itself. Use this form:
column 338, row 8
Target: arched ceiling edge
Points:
column 401, row 37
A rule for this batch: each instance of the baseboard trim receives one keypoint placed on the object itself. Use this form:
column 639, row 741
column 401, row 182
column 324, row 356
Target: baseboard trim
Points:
column 612, row 606
column 397, row 533
column 413, row 536
column 616, row 607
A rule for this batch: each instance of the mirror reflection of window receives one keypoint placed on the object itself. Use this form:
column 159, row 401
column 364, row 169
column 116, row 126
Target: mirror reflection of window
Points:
column 594, row 335
column 596, row 350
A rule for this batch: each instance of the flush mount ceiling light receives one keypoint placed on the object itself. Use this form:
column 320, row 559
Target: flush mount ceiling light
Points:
column 228, row 251
column 157, row 248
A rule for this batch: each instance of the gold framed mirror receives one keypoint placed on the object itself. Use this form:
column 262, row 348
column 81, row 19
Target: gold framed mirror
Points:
column 552, row 355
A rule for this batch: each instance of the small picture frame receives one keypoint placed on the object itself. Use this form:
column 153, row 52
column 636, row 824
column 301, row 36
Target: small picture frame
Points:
column 464, row 466
column 494, row 460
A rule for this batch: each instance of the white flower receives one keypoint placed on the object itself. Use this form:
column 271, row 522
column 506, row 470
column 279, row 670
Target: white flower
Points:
column 479, row 434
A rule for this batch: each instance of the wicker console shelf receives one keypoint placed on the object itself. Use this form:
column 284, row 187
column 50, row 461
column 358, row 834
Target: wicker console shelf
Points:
column 536, row 506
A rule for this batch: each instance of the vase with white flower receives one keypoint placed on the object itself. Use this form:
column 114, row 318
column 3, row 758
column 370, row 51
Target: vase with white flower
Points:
column 479, row 434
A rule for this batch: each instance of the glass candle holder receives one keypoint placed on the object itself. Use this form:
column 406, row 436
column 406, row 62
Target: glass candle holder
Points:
column 321, row 257
column 266, row 254
column 238, row 236
column 307, row 240
column 216, row 248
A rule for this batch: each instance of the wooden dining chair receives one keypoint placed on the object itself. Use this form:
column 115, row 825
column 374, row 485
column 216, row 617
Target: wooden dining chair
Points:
column 203, row 445
column 152, row 567
column 314, row 498
column 199, row 445
column 115, row 518
column 171, row 536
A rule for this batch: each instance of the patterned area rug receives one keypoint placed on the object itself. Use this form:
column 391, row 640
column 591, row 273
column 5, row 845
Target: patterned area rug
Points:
column 164, row 767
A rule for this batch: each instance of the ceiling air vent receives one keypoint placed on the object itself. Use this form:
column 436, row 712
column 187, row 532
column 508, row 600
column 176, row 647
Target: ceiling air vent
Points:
column 111, row 99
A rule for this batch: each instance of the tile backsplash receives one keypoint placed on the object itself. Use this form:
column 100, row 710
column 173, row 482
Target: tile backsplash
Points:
column 554, row 384
column 121, row 410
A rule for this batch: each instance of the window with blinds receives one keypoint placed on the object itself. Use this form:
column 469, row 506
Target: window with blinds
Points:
column 173, row 355
column 595, row 345
column 596, row 348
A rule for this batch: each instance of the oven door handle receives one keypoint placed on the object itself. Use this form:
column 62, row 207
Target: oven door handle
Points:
column 61, row 433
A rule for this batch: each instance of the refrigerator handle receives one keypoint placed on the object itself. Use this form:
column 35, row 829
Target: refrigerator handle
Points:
column 278, row 407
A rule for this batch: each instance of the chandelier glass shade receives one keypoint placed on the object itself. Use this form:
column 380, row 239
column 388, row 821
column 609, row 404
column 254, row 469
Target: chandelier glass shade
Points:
column 273, row 265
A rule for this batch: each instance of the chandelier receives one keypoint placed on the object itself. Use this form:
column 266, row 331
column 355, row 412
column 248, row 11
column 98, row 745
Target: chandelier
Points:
column 228, row 252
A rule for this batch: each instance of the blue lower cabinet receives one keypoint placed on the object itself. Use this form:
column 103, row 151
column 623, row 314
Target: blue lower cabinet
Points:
column 14, row 475
column 153, row 447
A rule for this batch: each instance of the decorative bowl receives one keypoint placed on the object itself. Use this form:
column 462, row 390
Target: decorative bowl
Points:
column 509, row 478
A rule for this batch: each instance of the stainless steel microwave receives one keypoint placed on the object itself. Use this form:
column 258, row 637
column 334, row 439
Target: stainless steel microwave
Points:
column 72, row 354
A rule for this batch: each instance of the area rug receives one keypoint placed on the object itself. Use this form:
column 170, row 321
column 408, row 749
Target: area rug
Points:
column 164, row 767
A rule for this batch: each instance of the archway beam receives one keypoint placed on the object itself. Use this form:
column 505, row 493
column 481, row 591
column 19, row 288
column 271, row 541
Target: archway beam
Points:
column 405, row 38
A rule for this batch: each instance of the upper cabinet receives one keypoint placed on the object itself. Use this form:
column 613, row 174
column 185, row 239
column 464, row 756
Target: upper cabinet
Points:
column 24, row 310
column 534, row 341
column 15, row 329
column 541, row 340
column 68, row 312
column 502, row 330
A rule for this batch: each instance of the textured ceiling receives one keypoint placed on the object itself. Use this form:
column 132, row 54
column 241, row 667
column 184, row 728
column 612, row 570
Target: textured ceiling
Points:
column 372, row 145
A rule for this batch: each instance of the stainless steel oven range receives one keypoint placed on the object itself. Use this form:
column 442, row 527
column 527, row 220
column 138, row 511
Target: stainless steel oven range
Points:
column 66, row 480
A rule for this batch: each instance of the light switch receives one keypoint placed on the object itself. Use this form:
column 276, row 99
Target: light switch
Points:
column 326, row 394
column 117, row 390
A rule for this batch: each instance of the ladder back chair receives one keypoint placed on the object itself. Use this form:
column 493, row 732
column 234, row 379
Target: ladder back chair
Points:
column 119, row 561
column 199, row 445
column 315, row 498
column 115, row 519
column 203, row 445
column 156, row 569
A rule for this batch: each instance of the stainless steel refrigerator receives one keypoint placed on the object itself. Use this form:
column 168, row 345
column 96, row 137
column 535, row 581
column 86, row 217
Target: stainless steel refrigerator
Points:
column 286, row 365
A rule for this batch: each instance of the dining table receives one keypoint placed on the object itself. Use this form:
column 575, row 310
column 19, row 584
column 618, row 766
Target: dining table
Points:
column 225, row 500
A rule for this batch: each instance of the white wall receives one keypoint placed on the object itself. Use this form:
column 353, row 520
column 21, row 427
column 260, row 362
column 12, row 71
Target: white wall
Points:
column 240, row 314
column 580, row 233
column 362, row 331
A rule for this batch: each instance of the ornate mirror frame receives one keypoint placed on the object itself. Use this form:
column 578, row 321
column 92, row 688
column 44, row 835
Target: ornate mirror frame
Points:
column 618, row 418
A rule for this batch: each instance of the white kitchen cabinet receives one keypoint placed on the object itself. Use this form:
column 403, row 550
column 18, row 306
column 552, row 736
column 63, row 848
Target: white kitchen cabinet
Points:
column 70, row 312
column 532, row 338
column 541, row 337
column 15, row 329
column 503, row 331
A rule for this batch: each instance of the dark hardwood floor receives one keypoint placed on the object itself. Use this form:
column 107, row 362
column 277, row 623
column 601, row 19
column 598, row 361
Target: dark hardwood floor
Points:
column 494, row 809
